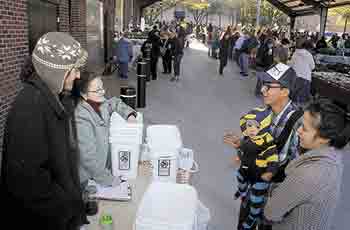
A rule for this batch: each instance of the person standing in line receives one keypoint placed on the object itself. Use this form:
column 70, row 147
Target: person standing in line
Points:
column 224, row 50
column 154, row 43
column 308, row 196
column 264, row 59
column 40, row 179
column 303, row 64
column 177, row 53
column 123, row 54
column 165, row 51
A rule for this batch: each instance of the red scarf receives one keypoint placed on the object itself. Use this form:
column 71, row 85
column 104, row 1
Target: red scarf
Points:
column 95, row 105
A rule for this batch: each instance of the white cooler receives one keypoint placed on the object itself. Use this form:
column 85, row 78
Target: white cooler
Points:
column 164, row 143
column 125, row 139
column 167, row 206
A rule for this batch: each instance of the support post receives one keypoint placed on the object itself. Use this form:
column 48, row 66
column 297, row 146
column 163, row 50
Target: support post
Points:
column 323, row 20
column 258, row 5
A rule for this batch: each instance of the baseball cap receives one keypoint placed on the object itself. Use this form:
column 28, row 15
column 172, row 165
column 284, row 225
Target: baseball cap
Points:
column 282, row 74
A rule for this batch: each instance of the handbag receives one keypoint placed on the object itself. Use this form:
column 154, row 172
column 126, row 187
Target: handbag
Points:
column 163, row 49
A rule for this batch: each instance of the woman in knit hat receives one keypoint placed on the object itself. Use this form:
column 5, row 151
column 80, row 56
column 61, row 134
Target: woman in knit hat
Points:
column 40, row 180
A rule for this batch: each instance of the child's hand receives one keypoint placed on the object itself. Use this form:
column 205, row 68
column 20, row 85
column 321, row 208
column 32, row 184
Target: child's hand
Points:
column 231, row 139
column 267, row 176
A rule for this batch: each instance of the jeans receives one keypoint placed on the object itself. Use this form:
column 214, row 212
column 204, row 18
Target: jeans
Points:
column 177, row 63
column 123, row 72
column 244, row 63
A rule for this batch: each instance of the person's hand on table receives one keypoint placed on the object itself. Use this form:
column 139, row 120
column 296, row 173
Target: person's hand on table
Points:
column 132, row 119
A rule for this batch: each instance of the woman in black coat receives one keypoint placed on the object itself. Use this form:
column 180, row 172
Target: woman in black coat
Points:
column 224, row 50
column 40, row 182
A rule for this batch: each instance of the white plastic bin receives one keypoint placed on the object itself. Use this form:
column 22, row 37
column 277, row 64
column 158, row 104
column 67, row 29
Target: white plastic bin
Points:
column 164, row 143
column 167, row 206
column 125, row 139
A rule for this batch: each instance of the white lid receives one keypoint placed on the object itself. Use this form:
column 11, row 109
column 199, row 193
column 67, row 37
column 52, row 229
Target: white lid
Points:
column 168, row 203
column 163, row 137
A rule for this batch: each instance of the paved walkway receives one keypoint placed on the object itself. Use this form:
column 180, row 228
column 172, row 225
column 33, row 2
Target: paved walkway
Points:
column 204, row 105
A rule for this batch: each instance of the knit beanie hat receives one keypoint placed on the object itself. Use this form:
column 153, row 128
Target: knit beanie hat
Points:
column 262, row 116
column 54, row 54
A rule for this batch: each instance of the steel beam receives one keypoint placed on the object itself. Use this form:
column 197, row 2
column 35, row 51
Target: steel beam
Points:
column 285, row 9
column 323, row 20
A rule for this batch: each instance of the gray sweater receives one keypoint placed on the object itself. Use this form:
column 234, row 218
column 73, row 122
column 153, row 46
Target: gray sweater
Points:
column 93, row 133
column 308, row 196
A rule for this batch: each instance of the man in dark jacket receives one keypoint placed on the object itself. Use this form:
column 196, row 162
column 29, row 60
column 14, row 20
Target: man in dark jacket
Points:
column 264, row 59
column 40, row 182
column 153, row 41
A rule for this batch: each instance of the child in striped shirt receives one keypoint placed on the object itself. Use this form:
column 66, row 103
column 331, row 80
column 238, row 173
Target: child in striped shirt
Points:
column 259, row 162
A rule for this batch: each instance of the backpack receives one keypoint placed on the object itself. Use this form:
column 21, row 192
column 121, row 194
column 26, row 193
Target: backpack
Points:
column 248, row 45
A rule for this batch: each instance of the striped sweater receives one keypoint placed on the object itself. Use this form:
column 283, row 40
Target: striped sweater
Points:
column 307, row 198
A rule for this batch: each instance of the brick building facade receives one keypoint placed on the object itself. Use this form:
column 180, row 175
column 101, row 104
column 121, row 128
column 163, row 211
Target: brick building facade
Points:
column 15, row 33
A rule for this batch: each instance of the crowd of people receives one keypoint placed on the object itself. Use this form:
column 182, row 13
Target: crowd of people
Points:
column 56, row 135
column 288, row 147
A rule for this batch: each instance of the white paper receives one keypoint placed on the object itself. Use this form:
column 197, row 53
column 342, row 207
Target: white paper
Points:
column 278, row 71
column 121, row 192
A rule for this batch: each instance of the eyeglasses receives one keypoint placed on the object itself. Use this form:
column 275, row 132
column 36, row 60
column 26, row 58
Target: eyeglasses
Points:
column 266, row 87
column 99, row 91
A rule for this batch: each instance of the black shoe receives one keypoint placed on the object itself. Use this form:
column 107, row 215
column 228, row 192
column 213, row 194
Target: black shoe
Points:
column 237, row 195
column 173, row 79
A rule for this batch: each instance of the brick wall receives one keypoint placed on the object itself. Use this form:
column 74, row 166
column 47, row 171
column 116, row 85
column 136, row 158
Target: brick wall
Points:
column 13, row 49
column 78, row 21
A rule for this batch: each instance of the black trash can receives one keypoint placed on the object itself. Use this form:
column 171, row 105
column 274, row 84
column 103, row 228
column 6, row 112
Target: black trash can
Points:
column 128, row 96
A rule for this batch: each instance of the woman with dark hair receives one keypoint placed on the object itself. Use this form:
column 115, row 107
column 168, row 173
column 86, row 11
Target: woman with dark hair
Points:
column 308, row 197
column 92, row 116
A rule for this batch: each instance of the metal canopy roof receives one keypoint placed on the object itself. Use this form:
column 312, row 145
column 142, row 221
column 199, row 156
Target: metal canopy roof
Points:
column 295, row 8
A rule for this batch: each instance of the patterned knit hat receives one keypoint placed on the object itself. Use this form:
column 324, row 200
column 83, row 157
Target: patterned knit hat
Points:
column 262, row 116
column 54, row 54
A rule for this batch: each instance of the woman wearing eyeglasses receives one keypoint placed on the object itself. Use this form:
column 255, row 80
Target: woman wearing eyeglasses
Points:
column 92, row 117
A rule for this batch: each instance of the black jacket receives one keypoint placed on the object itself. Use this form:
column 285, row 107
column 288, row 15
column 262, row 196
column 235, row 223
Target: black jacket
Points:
column 224, row 49
column 177, row 47
column 264, row 57
column 40, row 181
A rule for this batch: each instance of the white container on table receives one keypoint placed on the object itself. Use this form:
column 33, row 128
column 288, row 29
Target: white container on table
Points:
column 164, row 143
column 167, row 206
column 125, row 139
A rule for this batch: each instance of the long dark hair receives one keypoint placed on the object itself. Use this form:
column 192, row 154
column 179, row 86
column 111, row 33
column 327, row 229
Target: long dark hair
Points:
column 330, row 121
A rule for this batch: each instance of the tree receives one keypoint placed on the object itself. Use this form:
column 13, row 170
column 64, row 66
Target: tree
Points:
column 198, row 9
column 343, row 14
column 152, row 12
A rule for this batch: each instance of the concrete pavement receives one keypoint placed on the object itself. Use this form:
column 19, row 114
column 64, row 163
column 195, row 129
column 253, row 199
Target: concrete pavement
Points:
column 204, row 105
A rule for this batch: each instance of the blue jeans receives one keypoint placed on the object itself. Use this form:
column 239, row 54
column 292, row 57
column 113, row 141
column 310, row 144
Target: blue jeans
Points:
column 244, row 63
column 177, row 63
